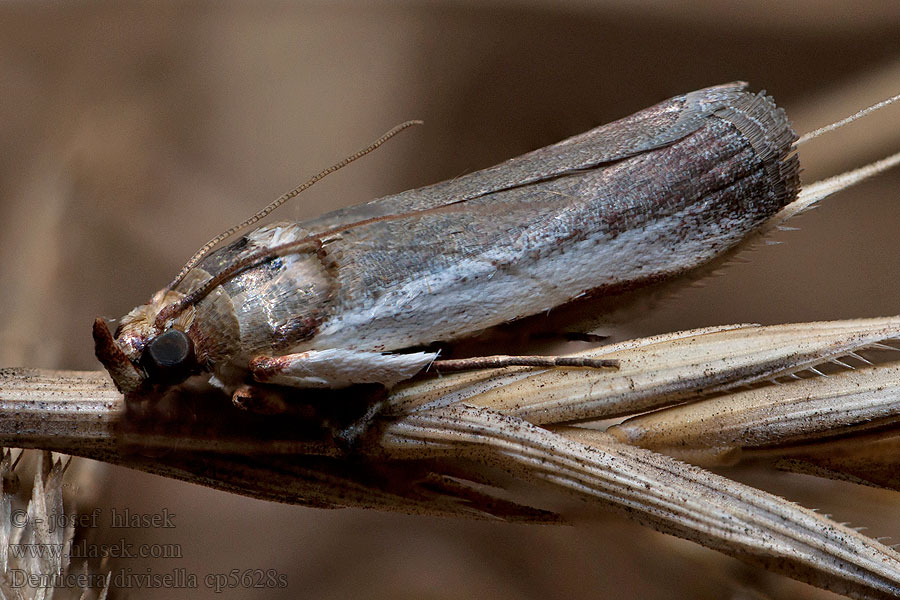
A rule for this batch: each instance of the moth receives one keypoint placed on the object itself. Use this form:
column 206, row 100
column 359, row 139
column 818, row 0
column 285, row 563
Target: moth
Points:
column 346, row 298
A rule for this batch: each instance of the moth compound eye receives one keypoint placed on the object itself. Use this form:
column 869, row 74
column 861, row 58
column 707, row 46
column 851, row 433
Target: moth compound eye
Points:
column 170, row 357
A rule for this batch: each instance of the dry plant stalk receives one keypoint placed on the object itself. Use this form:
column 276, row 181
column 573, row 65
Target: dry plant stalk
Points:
column 448, row 441
column 36, row 538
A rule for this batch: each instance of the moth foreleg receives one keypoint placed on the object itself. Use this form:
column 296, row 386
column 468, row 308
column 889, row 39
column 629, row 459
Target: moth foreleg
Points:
column 260, row 399
column 501, row 360
column 337, row 368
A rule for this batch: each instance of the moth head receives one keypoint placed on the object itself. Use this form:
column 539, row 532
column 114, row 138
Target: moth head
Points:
column 143, row 352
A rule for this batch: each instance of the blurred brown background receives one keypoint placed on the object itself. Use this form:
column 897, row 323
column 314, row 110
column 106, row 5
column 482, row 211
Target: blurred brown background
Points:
column 130, row 133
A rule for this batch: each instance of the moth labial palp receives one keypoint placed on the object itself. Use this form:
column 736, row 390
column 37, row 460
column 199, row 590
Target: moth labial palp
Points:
column 354, row 292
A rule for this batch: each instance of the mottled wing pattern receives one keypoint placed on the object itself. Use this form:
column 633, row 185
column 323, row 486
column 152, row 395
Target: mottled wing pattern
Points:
column 446, row 271
column 645, row 130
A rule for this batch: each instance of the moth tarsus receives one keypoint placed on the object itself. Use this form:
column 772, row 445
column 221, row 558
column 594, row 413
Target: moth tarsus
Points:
column 503, row 361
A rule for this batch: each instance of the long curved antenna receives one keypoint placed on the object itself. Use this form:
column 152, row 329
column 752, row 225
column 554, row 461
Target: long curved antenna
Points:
column 814, row 134
column 204, row 250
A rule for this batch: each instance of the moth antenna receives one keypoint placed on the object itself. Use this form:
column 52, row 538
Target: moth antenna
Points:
column 308, row 243
column 814, row 134
column 204, row 250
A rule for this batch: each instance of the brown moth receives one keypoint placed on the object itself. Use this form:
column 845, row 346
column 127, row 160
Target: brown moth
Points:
column 341, row 299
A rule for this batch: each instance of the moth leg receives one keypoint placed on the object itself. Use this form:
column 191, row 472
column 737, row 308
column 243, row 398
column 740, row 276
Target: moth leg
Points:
column 337, row 368
column 500, row 361
column 260, row 400
column 363, row 428
column 568, row 336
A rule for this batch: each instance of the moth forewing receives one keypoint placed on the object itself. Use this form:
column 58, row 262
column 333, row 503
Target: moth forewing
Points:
column 342, row 299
